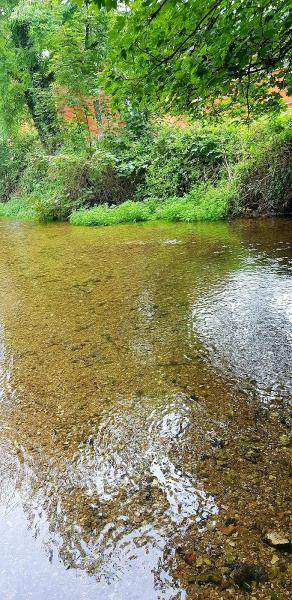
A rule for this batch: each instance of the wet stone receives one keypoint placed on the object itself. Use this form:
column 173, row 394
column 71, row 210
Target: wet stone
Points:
column 285, row 440
column 209, row 577
column 277, row 539
column 245, row 574
column 217, row 443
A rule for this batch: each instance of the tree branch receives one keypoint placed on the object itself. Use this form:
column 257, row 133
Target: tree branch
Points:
column 157, row 11
column 197, row 28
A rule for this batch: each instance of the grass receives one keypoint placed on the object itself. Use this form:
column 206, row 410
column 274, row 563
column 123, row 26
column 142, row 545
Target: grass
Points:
column 205, row 203
column 16, row 208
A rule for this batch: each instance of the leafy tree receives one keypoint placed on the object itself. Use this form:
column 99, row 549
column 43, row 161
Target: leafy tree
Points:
column 186, row 56
column 26, row 78
column 78, row 48
column 49, row 50
column 11, row 97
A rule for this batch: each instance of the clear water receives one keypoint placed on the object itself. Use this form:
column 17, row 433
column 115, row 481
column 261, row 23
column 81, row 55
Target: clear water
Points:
column 108, row 337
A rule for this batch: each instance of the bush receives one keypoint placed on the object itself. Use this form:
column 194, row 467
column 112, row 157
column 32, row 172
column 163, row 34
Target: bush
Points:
column 182, row 159
column 17, row 208
column 169, row 161
column 229, row 171
column 69, row 182
column 265, row 175
column 15, row 156
column 205, row 203
column 128, row 212
column 193, row 173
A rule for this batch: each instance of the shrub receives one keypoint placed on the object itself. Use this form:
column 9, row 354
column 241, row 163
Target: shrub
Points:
column 15, row 156
column 128, row 212
column 265, row 177
column 71, row 181
column 17, row 208
column 182, row 159
column 205, row 203
column 199, row 172
column 169, row 161
column 234, row 170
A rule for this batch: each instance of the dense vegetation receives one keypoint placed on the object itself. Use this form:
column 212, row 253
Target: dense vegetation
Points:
column 157, row 172
column 184, row 56
column 215, row 62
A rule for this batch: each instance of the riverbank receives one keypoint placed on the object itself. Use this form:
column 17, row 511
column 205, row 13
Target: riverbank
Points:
column 163, row 173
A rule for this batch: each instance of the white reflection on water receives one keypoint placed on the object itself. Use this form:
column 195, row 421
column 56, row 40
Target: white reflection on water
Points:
column 143, row 496
column 246, row 325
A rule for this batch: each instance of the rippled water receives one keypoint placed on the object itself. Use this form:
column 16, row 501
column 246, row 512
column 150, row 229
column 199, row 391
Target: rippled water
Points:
column 246, row 324
column 122, row 352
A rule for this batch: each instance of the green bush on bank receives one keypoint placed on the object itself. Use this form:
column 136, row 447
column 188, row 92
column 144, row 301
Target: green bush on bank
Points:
column 264, row 177
column 18, row 209
column 249, row 174
column 15, row 158
column 150, row 173
column 204, row 203
column 103, row 214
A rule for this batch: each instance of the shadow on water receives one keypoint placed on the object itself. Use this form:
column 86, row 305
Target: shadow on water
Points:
column 121, row 352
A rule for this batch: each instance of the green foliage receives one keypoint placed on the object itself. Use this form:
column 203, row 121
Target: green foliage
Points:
column 78, row 46
column 15, row 157
column 183, row 56
column 231, row 170
column 18, row 209
column 203, row 204
column 29, row 26
column 265, row 174
column 193, row 173
column 128, row 212
column 180, row 159
column 51, row 54
column 62, row 187
column 56, row 185
column 168, row 161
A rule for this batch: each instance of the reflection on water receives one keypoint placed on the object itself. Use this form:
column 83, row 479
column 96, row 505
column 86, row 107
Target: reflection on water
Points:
column 246, row 324
column 103, row 387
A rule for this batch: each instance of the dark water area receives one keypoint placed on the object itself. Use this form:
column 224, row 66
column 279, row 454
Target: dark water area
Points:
column 139, row 367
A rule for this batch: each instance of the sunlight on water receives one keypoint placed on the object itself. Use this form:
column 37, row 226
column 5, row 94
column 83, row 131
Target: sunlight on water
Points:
column 246, row 325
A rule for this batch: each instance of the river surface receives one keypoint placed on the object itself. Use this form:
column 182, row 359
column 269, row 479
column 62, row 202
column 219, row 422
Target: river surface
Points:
column 145, row 374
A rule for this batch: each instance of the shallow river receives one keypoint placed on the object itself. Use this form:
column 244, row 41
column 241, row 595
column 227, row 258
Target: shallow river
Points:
column 131, row 358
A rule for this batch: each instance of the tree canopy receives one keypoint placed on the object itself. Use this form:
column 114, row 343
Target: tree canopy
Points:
column 161, row 56
column 184, row 56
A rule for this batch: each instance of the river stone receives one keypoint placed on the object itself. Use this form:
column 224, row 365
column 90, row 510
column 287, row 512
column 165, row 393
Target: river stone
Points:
column 276, row 538
column 245, row 574
column 213, row 577
column 285, row 440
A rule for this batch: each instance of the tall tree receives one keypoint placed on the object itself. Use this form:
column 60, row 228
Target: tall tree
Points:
column 49, row 49
column 78, row 46
column 25, row 74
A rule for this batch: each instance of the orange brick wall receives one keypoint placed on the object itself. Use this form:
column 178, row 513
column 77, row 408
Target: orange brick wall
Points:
column 109, row 120
column 287, row 99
